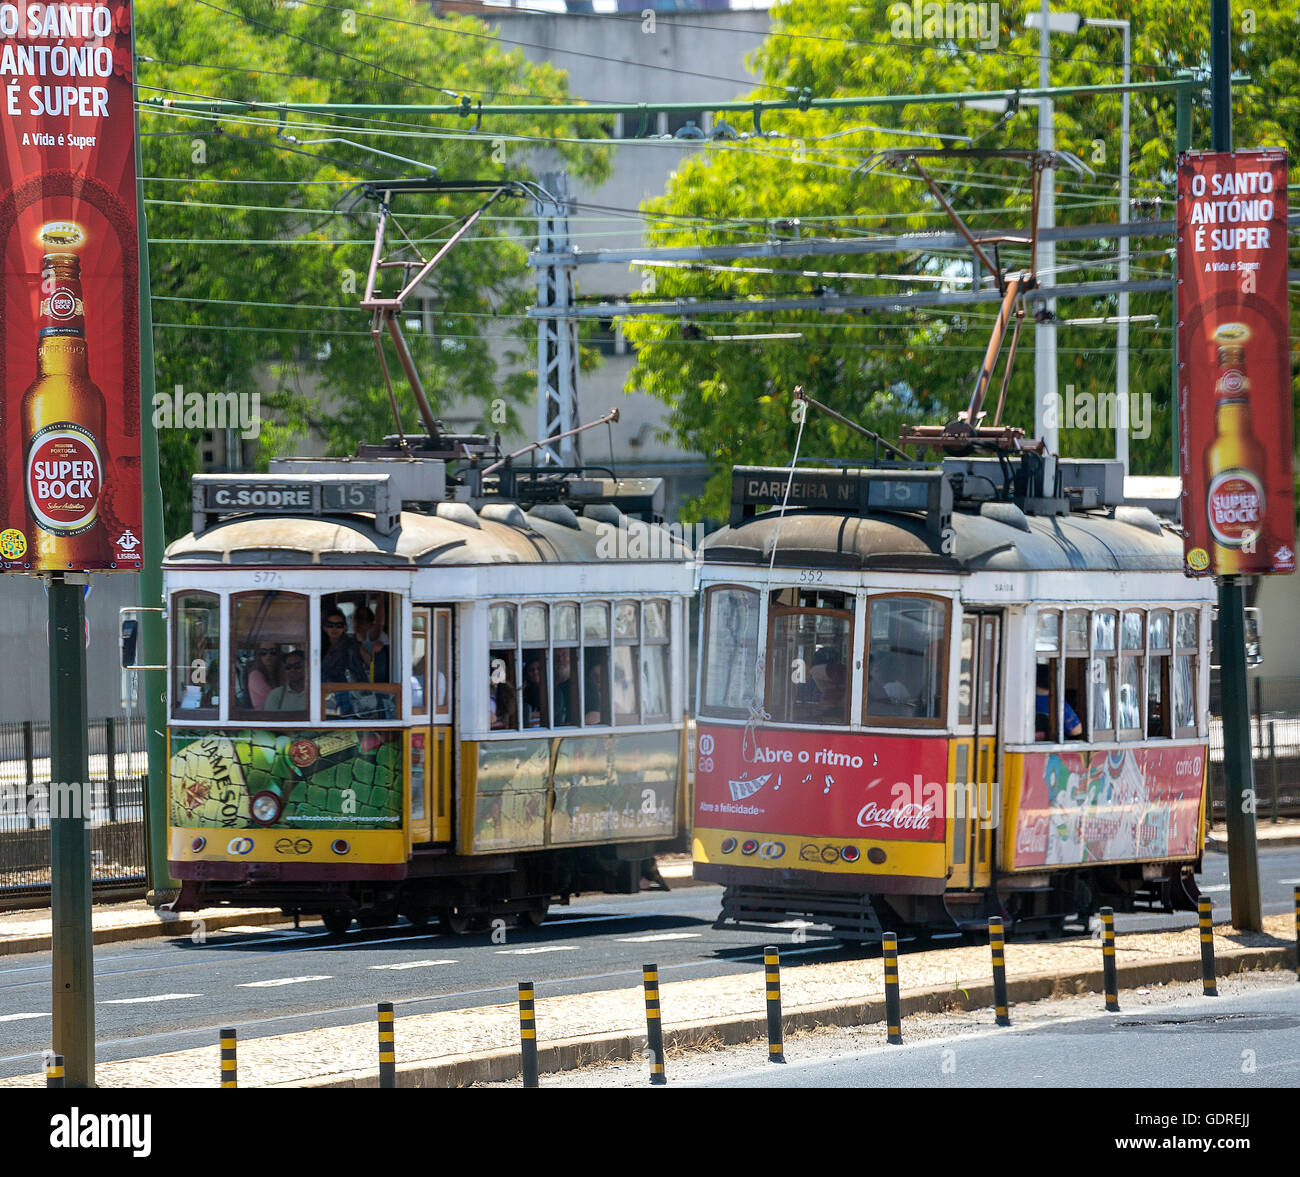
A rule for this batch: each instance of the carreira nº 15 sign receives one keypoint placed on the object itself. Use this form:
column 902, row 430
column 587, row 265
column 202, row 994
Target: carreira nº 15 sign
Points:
column 69, row 313
column 1234, row 363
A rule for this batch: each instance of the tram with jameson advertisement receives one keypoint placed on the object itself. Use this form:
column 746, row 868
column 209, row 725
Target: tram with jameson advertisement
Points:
column 931, row 695
column 424, row 683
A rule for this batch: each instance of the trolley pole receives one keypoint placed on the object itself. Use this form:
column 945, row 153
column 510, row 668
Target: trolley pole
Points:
column 1238, row 769
column 73, row 976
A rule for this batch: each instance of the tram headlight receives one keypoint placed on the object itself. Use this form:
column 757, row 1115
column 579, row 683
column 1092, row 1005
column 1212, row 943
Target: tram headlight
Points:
column 266, row 807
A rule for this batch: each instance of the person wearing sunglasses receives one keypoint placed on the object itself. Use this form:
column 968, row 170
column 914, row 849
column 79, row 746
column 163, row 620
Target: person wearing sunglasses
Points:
column 291, row 695
column 342, row 660
column 266, row 675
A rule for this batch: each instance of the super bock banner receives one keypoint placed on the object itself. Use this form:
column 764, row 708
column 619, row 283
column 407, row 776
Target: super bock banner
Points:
column 69, row 315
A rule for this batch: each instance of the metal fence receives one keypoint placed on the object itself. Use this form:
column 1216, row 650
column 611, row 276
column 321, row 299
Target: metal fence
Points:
column 1275, row 745
column 111, row 801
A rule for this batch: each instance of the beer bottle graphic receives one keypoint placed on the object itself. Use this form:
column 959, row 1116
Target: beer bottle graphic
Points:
column 63, row 430
column 1234, row 461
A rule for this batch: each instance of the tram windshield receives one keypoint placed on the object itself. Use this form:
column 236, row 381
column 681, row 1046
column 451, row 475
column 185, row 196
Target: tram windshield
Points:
column 907, row 643
column 269, row 648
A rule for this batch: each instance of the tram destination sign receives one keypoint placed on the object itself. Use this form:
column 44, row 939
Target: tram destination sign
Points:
column 850, row 492
column 220, row 495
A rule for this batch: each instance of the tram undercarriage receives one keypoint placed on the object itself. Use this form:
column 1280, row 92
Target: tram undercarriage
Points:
column 1050, row 905
column 457, row 893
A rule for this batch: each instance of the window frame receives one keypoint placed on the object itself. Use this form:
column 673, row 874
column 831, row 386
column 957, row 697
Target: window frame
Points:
column 397, row 605
column 1139, row 653
column 177, row 668
column 1193, row 652
column 703, row 709
column 940, row 720
column 311, row 654
column 851, row 613
column 649, row 643
column 1097, row 735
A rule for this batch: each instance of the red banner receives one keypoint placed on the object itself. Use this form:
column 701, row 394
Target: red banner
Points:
column 69, row 315
column 820, row 784
column 1234, row 363
column 1117, row 806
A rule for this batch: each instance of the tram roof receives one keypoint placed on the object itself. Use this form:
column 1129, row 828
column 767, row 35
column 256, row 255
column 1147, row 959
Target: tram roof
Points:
column 902, row 542
column 423, row 540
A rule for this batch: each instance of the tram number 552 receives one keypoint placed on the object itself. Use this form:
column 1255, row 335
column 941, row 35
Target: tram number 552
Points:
column 810, row 575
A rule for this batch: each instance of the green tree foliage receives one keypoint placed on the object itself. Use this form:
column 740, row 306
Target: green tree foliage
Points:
column 252, row 277
column 731, row 400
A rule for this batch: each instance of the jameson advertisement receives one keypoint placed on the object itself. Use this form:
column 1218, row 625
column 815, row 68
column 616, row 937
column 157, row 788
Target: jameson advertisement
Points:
column 308, row 780
column 69, row 326
column 1234, row 363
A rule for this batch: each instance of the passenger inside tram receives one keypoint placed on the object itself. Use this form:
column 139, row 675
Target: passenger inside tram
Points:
column 1044, row 711
column 291, row 695
column 535, row 688
column 355, row 648
column 565, row 699
column 597, row 704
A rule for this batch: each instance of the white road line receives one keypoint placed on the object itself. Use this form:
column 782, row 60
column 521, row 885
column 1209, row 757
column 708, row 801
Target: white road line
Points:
column 1285, row 882
column 155, row 997
column 660, row 936
column 414, row 964
column 536, row 951
column 1216, row 887
column 21, row 1017
column 280, row 981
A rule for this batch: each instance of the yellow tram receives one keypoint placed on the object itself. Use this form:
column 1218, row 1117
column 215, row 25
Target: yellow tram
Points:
column 928, row 696
column 401, row 685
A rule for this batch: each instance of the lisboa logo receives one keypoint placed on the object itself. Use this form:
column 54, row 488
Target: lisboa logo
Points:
column 239, row 846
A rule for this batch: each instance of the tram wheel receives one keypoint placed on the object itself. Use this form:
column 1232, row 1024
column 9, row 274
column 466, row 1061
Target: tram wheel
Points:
column 377, row 917
column 419, row 917
column 454, row 923
column 535, row 914
column 336, row 922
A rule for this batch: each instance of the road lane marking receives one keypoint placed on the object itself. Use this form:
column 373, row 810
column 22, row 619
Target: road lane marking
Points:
column 1216, row 887
column 155, row 997
column 660, row 936
column 1285, row 882
column 281, row 981
column 535, row 951
column 20, row 1017
column 414, row 964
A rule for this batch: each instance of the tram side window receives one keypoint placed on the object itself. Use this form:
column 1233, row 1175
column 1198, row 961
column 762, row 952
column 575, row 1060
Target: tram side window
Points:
column 1075, row 684
column 595, row 664
column 1128, row 701
column 503, row 712
column 269, row 655
column 536, row 695
column 810, row 652
column 655, row 649
column 196, row 655
column 356, row 647
column 730, row 620
column 1159, row 638
column 1185, row 672
column 627, row 636
column 907, row 658
column 564, row 665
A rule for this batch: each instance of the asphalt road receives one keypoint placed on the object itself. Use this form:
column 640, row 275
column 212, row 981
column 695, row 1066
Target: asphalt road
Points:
column 156, row 996
column 1245, row 1040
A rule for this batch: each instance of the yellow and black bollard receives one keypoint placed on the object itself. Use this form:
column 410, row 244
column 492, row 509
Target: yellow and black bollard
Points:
column 528, row 1033
column 229, row 1067
column 1206, row 909
column 54, row 1070
column 654, row 1030
column 1110, row 977
column 893, row 1008
column 387, row 1047
column 998, row 947
column 772, row 972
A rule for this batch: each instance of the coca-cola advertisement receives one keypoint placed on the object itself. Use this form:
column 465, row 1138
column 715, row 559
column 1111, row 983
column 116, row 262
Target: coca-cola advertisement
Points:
column 1120, row 805
column 69, row 315
column 820, row 784
column 1234, row 363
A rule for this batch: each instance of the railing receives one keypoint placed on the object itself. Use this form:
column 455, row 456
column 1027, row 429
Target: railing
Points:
column 1275, row 745
column 111, row 800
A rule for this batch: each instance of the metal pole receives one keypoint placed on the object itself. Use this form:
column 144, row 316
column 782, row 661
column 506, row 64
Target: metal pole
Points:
column 528, row 1034
column 1182, row 142
column 1045, row 329
column 387, row 1048
column 72, row 944
column 54, row 1071
column 893, row 1007
column 153, row 634
column 654, row 1025
column 1121, row 358
column 229, row 1058
column 1238, row 767
column 997, row 945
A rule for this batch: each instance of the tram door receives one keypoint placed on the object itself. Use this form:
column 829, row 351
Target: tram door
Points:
column 974, row 801
column 432, row 747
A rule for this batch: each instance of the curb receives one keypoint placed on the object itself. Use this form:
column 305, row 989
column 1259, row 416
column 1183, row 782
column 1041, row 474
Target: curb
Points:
column 1220, row 846
column 500, row 1066
column 181, row 926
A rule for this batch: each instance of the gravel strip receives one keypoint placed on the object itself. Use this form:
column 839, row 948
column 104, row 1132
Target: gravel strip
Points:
column 339, row 1050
